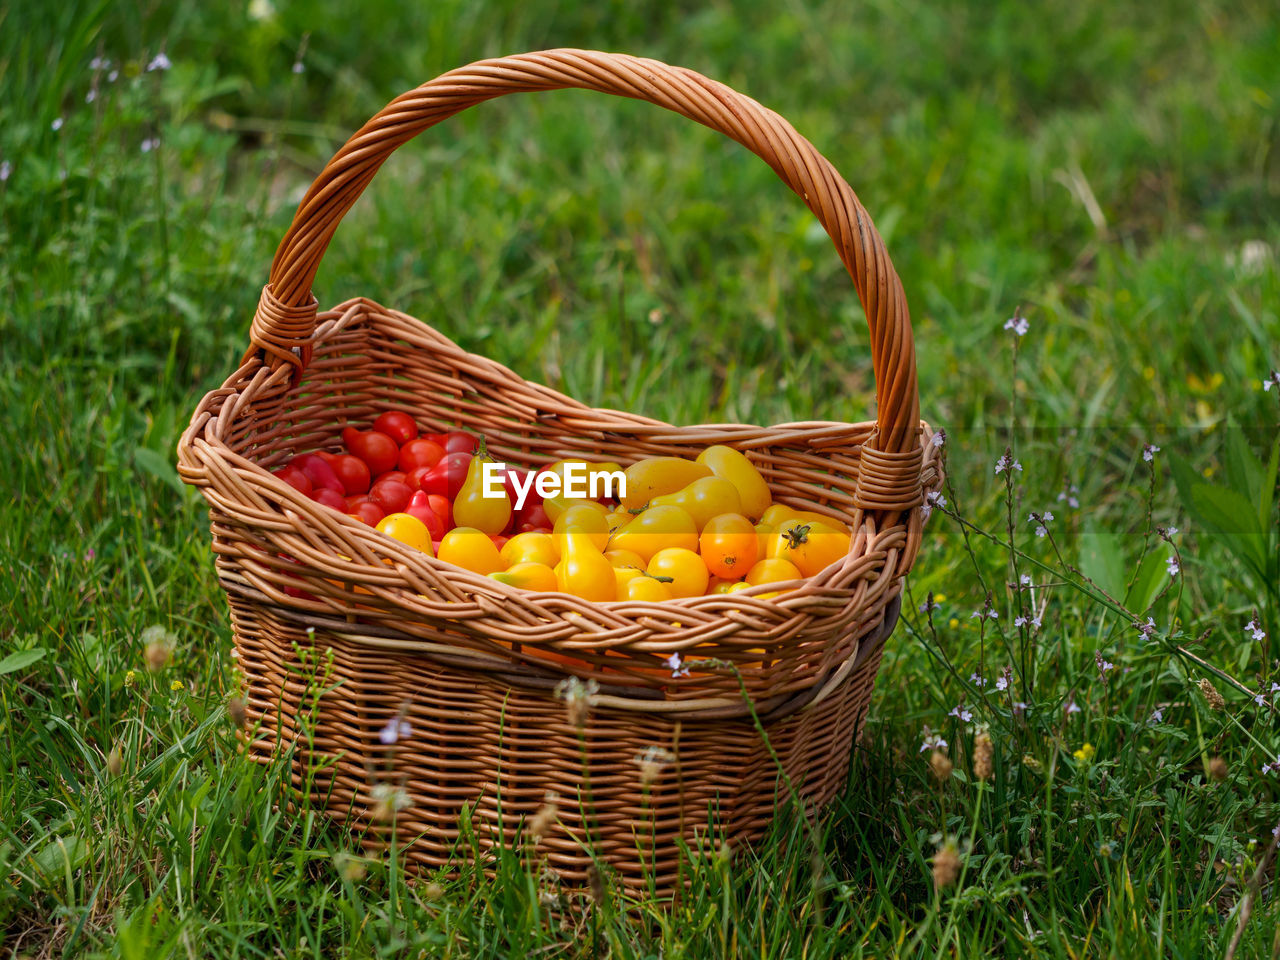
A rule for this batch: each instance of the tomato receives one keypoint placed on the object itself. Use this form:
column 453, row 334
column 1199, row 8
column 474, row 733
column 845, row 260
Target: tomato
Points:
column 533, row 518
column 555, row 506
column 655, row 476
column 584, row 520
column 420, row 507
column 397, row 425
column 330, row 499
column 318, row 472
column 352, row 472
column 529, row 576
column 392, row 495
column 584, row 572
column 729, row 464
column 295, row 478
column 719, row 585
column 623, row 575
column 703, row 499
column 687, row 572
column 362, row 508
column 470, row 549
column 772, row 570
column 459, row 441
column 656, row 528
column 419, row 453
column 729, row 545
column 810, row 545
column 471, row 506
column 531, row 495
column 616, row 520
column 646, row 589
column 531, row 547
column 376, row 449
column 408, row 530
column 625, row 558
column 446, row 477
column 780, row 512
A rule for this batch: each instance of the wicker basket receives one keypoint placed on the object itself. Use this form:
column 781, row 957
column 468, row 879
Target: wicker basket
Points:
column 339, row 629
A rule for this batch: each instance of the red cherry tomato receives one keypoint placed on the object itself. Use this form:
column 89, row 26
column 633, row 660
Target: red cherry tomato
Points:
column 295, row 478
column 363, row 508
column 318, row 472
column 531, row 495
column 330, row 499
column 353, row 472
column 437, row 438
column 397, row 425
column 326, row 456
column 420, row 453
column 443, row 509
column 447, row 476
column 499, row 540
column 534, row 518
column 392, row 475
column 391, row 495
column 459, row 441
column 376, row 449
column 420, row 507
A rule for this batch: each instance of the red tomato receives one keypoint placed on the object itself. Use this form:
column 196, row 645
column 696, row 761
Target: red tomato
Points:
column 447, row 476
column 330, row 499
column 353, row 472
column 499, row 540
column 363, row 508
column 376, row 449
column 391, row 495
column 318, row 472
column 443, row 508
column 459, row 441
column 420, row 453
column 531, row 496
column 437, row 438
column 392, row 475
column 397, row 425
column 295, row 478
column 420, row 507
column 326, row 456
column 534, row 518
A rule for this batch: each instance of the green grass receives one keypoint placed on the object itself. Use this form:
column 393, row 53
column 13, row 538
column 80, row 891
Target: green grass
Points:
column 1111, row 168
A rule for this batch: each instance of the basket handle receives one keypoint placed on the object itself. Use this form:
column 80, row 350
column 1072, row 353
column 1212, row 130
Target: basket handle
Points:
column 889, row 473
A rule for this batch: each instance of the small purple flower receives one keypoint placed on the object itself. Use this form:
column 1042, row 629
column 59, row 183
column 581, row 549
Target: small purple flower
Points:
column 1103, row 665
column 1255, row 628
column 99, row 63
column 1069, row 495
column 1273, row 379
column 1006, row 462
column 159, row 62
column 676, row 665
column 1072, row 707
column 1157, row 716
column 298, row 67
column 91, row 96
column 397, row 729
column 932, row 741
column 1259, row 699
column 1018, row 325
column 1275, row 832
column 939, row 438
column 1149, row 451
column 6, row 171
column 56, row 125
column 111, row 77
column 1172, row 566
column 1271, row 767
column 1002, row 682
column 978, row 680
column 1147, row 629
column 961, row 713
column 1019, row 707
column 1024, row 582
column 149, row 144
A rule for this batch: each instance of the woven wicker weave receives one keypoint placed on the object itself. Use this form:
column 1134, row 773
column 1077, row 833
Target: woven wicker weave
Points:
column 339, row 629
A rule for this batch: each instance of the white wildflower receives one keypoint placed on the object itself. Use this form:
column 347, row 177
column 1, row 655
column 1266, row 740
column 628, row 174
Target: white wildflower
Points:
column 56, row 125
column 939, row 438
column 91, row 96
column 1006, row 462
column 1149, row 451
column 932, row 741
column 1255, row 628
column 961, row 713
column 1274, row 379
column 1072, row 707
column 977, row 679
column 397, row 729
column 159, row 62
column 1172, row 566
column 1018, row 325
column 1157, row 716
column 676, row 665
column 6, row 170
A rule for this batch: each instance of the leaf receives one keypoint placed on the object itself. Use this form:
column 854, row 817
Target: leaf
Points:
column 159, row 467
column 1243, row 471
column 21, row 660
column 1147, row 582
column 1233, row 517
column 1101, row 560
column 58, row 853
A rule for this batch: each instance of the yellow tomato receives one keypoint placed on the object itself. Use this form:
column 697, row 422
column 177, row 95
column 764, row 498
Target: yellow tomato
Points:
column 582, row 519
column 556, row 507
column 655, row 476
column 772, row 570
column 720, row 585
column 470, row 549
column 616, row 520
column 471, row 508
column 728, row 545
column 685, row 568
column 780, row 513
column 584, row 572
column 530, row 547
column 810, row 545
column 407, row 529
column 622, row 576
column 528, row 576
column 625, row 558
column 703, row 499
column 656, row 528
column 647, row 589
column 731, row 465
